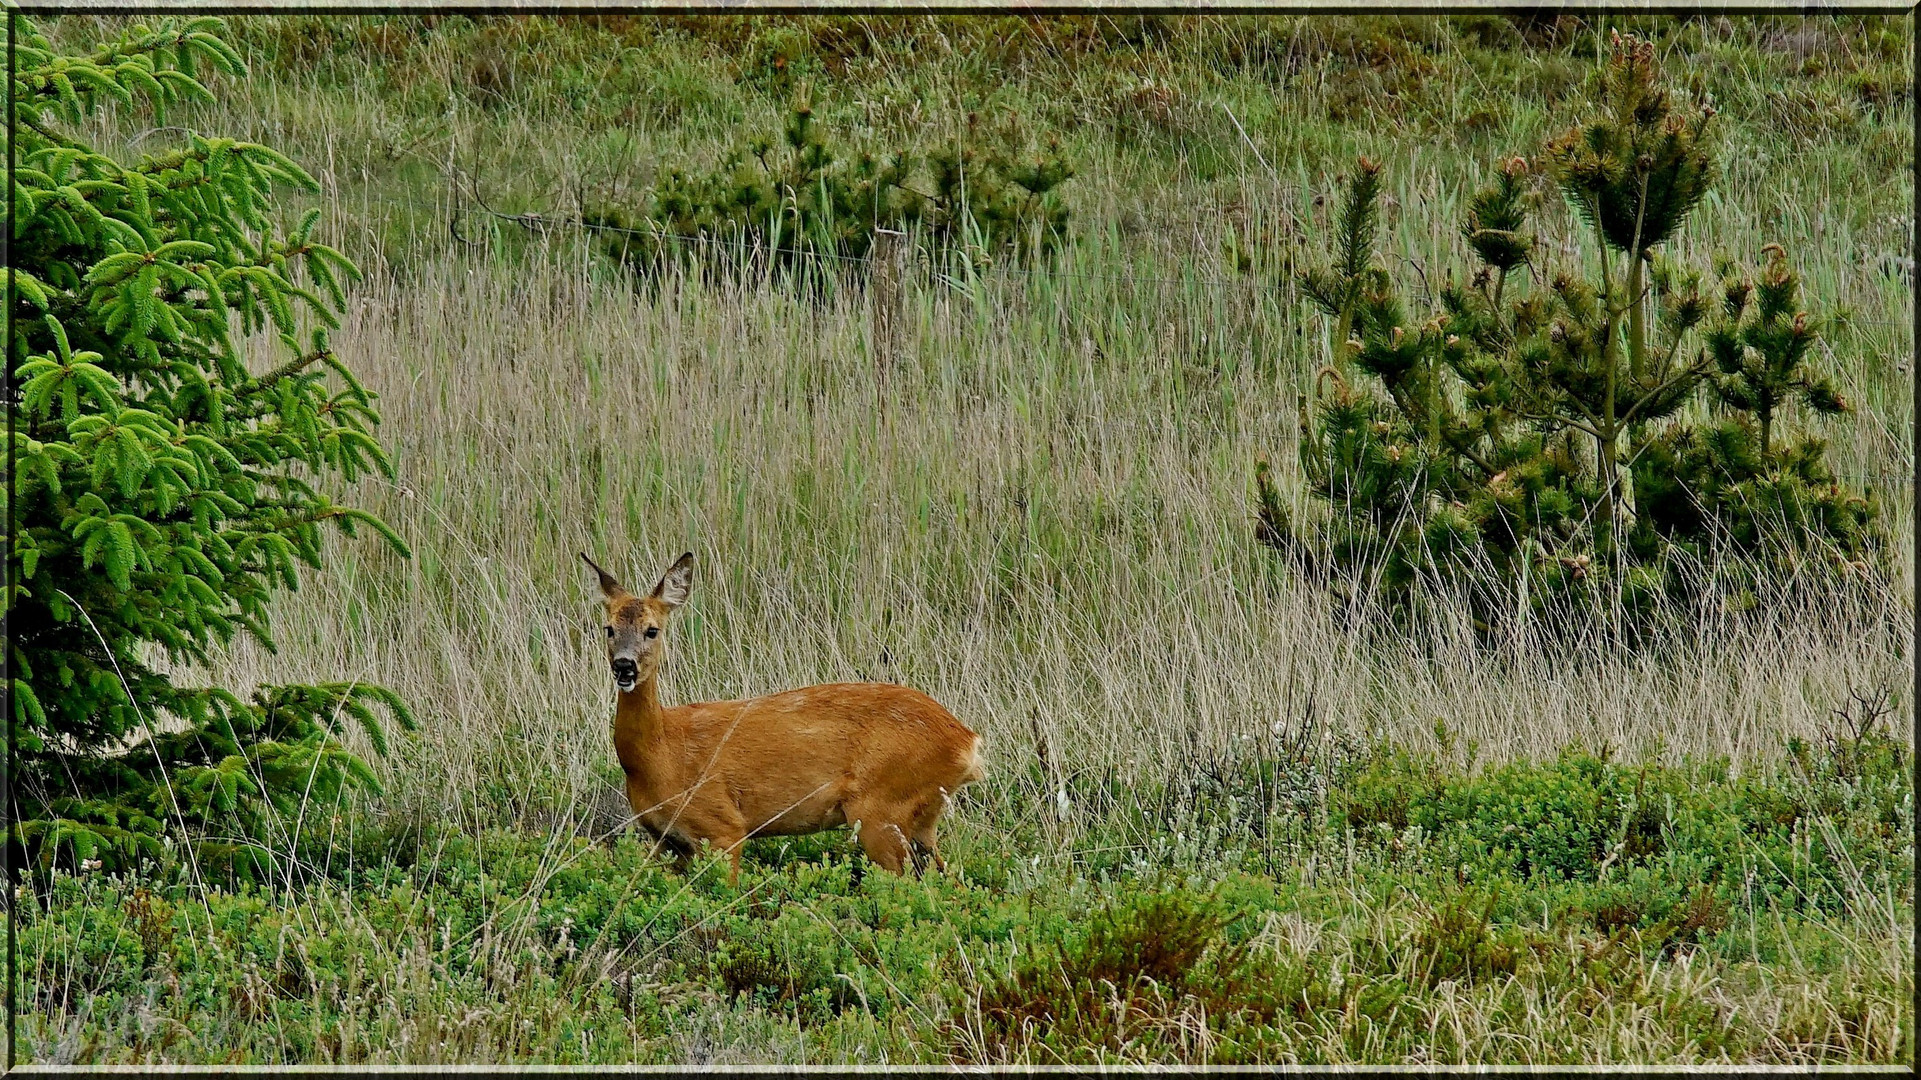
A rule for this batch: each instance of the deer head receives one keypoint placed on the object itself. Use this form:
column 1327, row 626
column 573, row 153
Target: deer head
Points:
column 635, row 623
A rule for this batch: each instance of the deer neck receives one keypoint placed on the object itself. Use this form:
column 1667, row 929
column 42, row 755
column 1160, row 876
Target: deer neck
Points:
column 638, row 722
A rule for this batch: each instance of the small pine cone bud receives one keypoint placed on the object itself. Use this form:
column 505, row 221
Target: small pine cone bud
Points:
column 1801, row 323
column 1557, row 333
column 1453, row 339
column 1394, row 338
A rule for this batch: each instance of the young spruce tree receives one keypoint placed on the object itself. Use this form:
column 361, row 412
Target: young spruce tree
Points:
column 164, row 488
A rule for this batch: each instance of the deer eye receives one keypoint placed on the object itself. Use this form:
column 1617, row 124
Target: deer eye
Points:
column 653, row 631
column 610, row 631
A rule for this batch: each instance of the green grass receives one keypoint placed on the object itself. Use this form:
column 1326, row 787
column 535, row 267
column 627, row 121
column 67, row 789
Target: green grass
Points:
column 1578, row 912
column 1598, row 856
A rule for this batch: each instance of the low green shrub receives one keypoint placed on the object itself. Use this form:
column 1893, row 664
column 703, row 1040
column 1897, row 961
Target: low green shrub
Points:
column 1805, row 835
column 1101, row 984
column 803, row 204
column 1736, row 935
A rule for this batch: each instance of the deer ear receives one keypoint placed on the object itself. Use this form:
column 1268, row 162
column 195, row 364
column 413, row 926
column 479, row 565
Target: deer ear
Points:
column 677, row 582
column 608, row 586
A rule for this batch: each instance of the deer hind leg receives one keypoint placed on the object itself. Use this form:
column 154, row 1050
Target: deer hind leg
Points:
column 922, row 834
column 884, row 841
column 925, row 852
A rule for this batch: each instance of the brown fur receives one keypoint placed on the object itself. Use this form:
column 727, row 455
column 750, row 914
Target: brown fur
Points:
column 883, row 758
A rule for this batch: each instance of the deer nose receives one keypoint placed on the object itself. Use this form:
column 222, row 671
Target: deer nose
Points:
column 625, row 669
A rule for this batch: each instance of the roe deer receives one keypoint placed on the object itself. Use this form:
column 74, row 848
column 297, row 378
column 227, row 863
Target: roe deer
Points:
column 882, row 758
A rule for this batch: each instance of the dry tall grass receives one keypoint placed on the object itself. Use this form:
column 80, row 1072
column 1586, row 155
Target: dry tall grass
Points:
column 1047, row 528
